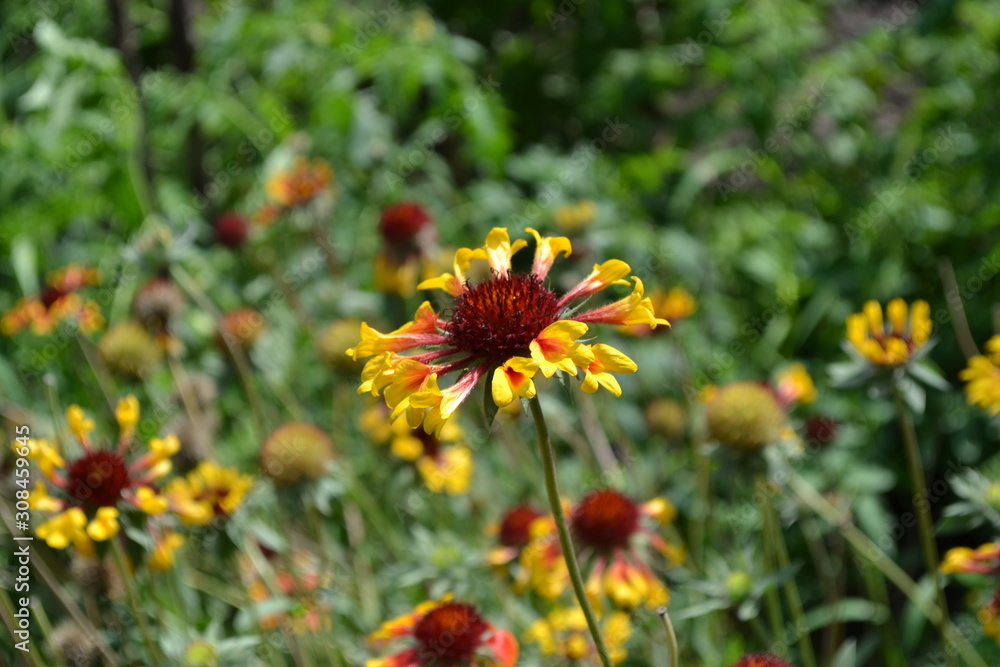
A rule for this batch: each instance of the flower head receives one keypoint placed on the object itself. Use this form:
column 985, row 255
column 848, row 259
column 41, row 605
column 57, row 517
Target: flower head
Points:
column 572, row 218
column 564, row 633
column 982, row 377
column 59, row 302
column 891, row 340
column 984, row 560
column 446, row 633
column 794, row 385
column 207, row 492
column 231, row 229
column 241, row 328
column 408, row 238
column 745, row 415
column 613, row 533
column 129, row 350
column 760, row 660
column 513, row 533
column 300, row 184
column 296, row 451
column 97, row 484
column 498, row 325
column 334, row 342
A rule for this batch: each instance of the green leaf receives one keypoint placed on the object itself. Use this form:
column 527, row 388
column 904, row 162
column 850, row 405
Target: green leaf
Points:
column 846, row 610
column 847, row 655
column 23, row 257
column 929, row 375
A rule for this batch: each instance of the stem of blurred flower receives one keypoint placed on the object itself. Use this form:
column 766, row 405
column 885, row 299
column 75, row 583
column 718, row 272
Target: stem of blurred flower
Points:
column 673, row 651
column 104, row 380
column 7, row 613
column 869, row 550
column 46, row 627
column 703, row 477
column 924, row 521
column 773, row 603
column 182, row 381
column 569, row 553
column 959, row 322
column 780, row 551
column 890, row 641
column 367, row 590
column 128, row 581
column 189, row 285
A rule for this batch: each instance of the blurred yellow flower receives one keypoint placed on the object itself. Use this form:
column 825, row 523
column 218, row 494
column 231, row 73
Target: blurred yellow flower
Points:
column 572, row 218
column 207, row 492
column 564, row 633
column 301, row 183
column 891, row 340
column 161, row 558
column 795, row 385
column 982, row 377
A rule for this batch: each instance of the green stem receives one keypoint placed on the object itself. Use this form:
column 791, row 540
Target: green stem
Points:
column 133, row 600
column 552, row 487
column 7, row 612
column 673, row 651
column 924, row 521
column 773, row 604
column 886, row 565
column 790, row 587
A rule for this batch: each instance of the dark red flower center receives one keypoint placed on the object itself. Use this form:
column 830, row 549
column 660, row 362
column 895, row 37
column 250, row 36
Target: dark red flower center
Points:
column 498, row 318
column 432, row 446
column 98, row 479
column 449, row 635
column 231, row 229
column 400, row 222
column 515, row 528
column 761, row 660
column 50, row 295
column 605, row 520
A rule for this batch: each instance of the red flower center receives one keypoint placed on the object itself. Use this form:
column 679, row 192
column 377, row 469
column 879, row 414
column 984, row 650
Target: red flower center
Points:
column 401, row 222
column 50, row 295
column 98, row 479
column 449, row 635
column 514, row 531
column 498, row 318
column 761, row 660
column 432, row 446
column 605, row 520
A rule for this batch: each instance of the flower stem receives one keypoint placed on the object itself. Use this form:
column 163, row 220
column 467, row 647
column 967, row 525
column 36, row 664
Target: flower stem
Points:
column 780, row 550
column 924, row 521
column 773, row 603
column 672, row 649
column 870, row 551
column 552, row 487
column 129, row 583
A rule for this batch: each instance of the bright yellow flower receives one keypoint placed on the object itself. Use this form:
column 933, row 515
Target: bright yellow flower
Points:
column 45, row 455
column 564, row 633
column 574, row 217
column 105, row 524
column 984, row 560
column 895, row 345
column 982, row 377
column 795, row 385
column 607, row 360
column 57, row 304
column 40, row 500
column 300, row 184
column 448, row 472
column 493, row 327
column 161, row 558
column 208, row 491
column 149, row 501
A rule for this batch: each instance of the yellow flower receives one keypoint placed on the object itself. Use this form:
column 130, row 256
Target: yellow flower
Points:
column 795, row 385
column 564, row 633
column 45, row 455
column 493, row 327
column 982, row 377
column 607, row 360
column 300, row 184
column 574, row 217
column 896, row 343
column 984, row 560
column 449, row 472
column 208, row 491
column 104, row 525
column 78, row 422
column 40, row 500
column 161, row 558
column 149, row 502
column 63, row 529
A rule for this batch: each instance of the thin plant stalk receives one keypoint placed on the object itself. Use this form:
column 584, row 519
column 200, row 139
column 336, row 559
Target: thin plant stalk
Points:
column 925, row 523
column 129, row 583
column 869, row 550
column 673, row 651
column 552, row 488
column 780, row 550
column 7, row 612
column 771, row 601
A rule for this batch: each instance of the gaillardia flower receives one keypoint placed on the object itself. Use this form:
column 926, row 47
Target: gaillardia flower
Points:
column 571, row 218
column 609, row 534
column 129, row 350
column 294, row 452
column 59, row 302
column 408, row 237
column 794, row 385
column 893, row 340
column 982, row 377
column 745, row 416
column 300, row 184
column 963, row 560
column 510, row 325
column 563, row 633
column 513, row 533
column 989, row 616
column 444, row 463
column 446, row 633
column 241, row 328
column 208, row 492
column 300, row 578
column 231, row 229
column 95, row 486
